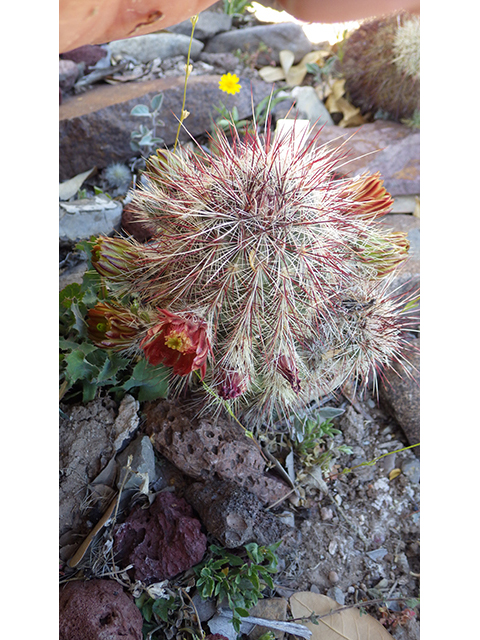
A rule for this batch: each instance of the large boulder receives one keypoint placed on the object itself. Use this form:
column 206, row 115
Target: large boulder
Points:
column 253, row 41
column 95, row 126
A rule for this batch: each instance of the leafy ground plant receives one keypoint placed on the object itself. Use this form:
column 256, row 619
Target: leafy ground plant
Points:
column 145, row 139
column 236, row 579
column 85, row 367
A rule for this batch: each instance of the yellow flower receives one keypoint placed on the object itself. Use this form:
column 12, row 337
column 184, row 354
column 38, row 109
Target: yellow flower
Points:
column 229, row 83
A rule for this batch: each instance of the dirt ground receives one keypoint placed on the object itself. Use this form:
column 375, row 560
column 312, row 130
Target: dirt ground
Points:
column 357, row 536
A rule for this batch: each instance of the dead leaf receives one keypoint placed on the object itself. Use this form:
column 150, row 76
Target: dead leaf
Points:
column 271, row 74
column 70, row 187
column 347, row 624
column 394, row 473
column 287, row 58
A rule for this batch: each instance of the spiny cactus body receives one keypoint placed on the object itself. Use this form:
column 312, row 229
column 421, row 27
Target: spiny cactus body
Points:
column 381, row 65
column 283, row 269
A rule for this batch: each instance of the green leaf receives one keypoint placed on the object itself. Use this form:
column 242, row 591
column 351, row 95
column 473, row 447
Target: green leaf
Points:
column 153, row 381
column 146, row 140
column 156, row 102
column 78, row 368
column 241, row 612
column 140, row 110
column 112, row 365
column 89, row 391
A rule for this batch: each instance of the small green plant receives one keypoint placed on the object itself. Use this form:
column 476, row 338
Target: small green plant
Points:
column 229, row 120
column 237, row 579
column 85, row 367
column 319, row 73
column 145, row 139
column 235, row 7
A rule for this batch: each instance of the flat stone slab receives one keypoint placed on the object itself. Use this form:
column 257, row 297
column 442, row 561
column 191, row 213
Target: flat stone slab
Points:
column 388, row 147
column 95, row 126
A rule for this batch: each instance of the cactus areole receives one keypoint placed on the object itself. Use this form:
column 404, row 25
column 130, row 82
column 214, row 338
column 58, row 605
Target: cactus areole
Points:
column 267, row 275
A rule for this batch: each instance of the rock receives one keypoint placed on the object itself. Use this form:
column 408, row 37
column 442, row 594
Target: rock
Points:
column 337, row 595
column 143, row 462
column 326, row 513
column 155, row 45
column 97, row 610
column 221, row 62
column 161, row 541
column 392, row 149
column 307, row 106
column 206, row 449
column 208, row 25
column 411, row 469
column 400, row 394
column 80, row 219
column 89, row 54
column 333, row 577
column 352, row 426
column 74, row 274
column 377, row 554
column 95, row 126
column 85, row 449
column 286, row 35
column 68, row 73
column 233, row 515
column 270, row 609
column 127, row 421
column 206, row 609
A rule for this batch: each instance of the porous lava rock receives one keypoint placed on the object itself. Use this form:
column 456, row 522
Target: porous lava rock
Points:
column 234, row 515
column 161, row 541
column 206, row 448
column 98, row 610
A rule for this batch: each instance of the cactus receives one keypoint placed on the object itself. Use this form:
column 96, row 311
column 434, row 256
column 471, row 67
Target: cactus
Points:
column 381, row 65
column 266, row 274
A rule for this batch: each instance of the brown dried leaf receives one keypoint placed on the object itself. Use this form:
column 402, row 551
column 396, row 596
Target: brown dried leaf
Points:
column 347, row 624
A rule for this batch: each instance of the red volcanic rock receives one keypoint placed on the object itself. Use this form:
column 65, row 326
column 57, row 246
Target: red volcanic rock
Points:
column 97, row 610
column 160, row 541
column 90, row 54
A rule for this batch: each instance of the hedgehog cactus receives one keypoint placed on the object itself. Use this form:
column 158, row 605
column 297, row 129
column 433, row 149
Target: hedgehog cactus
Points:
column 381, row 65
column 266, row 274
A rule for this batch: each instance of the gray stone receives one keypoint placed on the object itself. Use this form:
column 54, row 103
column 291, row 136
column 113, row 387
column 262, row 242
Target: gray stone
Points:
column 80, row 219
column 155, row 45
column 337, row 594
column 208, row 25
column 85, row 449
column 411, row 469
column 68, row 72
column 276, row 37
column 233, row 515
column 143, row 462
column 127, row 421
column 377, row 554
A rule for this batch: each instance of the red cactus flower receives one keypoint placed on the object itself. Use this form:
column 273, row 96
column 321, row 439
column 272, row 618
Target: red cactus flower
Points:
column 111, row 326
column 178, row 342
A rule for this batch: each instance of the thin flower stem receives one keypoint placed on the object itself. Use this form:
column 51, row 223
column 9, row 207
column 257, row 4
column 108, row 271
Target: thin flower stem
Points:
column 194, row 20
column 375, row 460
